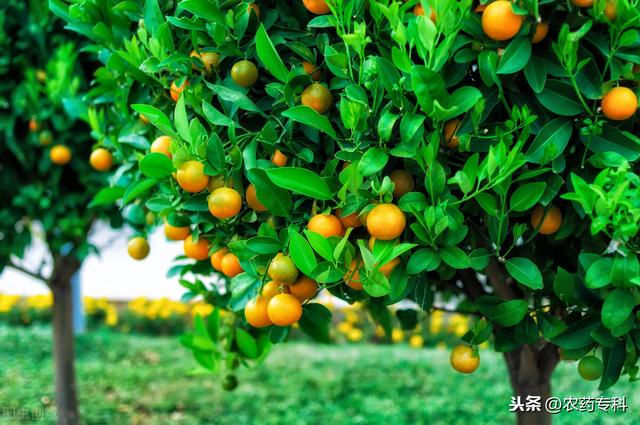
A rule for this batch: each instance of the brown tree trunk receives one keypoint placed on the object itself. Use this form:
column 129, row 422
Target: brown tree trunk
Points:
column 63, row 340
column 530, row 368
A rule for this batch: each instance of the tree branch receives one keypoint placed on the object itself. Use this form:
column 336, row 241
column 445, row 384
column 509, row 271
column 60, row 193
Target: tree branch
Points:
column 471, row 285
column 28, row 272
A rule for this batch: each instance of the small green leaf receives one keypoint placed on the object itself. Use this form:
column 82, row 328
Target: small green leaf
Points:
column 308, row 116
column 156, row 165
column 269, row 55
column 525, row 272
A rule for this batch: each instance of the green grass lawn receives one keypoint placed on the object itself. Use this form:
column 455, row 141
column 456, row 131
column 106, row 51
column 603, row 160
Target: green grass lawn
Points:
column 131, row 379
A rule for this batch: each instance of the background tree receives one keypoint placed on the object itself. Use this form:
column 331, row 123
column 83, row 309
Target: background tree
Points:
column 46, row 181
column 480, row 158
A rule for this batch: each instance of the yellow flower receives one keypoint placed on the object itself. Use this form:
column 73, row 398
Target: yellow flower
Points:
column 397, row 335
column 202, row 309
column 8, row 302
column 40, row 302
column 111, row 319
column 416, row 341
column 344, row 327
column 352, row 317
column 379, row 331
column 354, row 335
column 458, row 324
column 441, row 345
column 435, row 322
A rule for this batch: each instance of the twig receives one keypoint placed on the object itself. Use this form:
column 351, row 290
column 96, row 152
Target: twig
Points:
column 28, row 272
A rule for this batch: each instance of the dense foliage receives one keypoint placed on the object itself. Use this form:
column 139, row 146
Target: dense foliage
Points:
column 489, row 150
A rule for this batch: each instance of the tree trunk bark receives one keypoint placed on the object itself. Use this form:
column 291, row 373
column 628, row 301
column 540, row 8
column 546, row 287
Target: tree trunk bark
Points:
column 530, row 368
column 63, row 340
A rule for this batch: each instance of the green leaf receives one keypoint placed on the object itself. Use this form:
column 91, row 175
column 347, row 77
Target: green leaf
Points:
column 459, row 102
column 455, row 257
column 550, row 141
column 269, row 55
column 235, row 97
column 525, row 272
column 157, row 118
column 243, row 287
column 372, row 161
column 578, row 334
column 246, row 343
column 309, row 116
column 215, row 153
column 618, row 306
column 526, row 196
column 315, row 322
column 156, row 165
column 613, row 359
column 536, row 73
column 507, row 313
column 301, row 252
column 424, row 259
column 138, row 188
column 277, row 200
column 302, row 181
column 559, row 98
column 599, row 273
column 515, row 56
column 107, row 195
column 181, row 120
column 264, row 245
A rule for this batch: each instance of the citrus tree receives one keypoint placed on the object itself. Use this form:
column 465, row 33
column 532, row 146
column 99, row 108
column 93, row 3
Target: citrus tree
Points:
column 46, row 180
column 471, row 157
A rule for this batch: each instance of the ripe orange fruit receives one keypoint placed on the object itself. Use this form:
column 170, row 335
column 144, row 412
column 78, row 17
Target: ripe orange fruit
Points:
column 350, row 220
column 244, row 73
column 279, row 159
column 387, row 268
column 60, row 154
column 451, row 140
column 34, row 125
column 464, row 359
column 176, row 233
column 218, row 181
column 386, row 222
column 611, row 10
column 318, row 97
column 403, row 182
column 551, row 222
column 590, row 368
column 583, row 3
column 619, row 103
column 45, row 138
column 191, row 177
column 196, row 250
column 101, row 159
column 284, row 309
column 499, row 22
column 304, row 289
column 540, row 33
column 326, row 225
column 216, row 258
column 253, row 201
column 319, row 7
column 418, row 10
column 230, row 265
column 211, row 60
column 176, row 90
column 312, row 70
column 256, row 312
column 224, row 202
column 273, row 288
column 352, row 278
column 138, row 248
column 282, row 269
column 162, row 145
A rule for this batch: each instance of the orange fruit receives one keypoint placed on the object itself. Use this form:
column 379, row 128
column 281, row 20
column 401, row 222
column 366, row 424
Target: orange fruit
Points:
column 284, row 309
column 583, row 3
column 279, row 159
column 318, row 97
column 387, row 268
column 230, row 265
column 418, row 10
column 138, row 248
column 550, row 223
column 176, row 90
column 60, row 154
column 196, row 250
column 224, row 202
column 191, row 177
column 252, row 199
column 210, row 60
column 350, row 220
column 540, row 33
column 386, row 222
column 45, row 138
column 244, row 73
column 352, row 277
column 499, row 22
column 162, row 145
column 304, row 289
column 326, row 225
column 403, row 182
column 101, row 159
column 216, row 258
column 451, row 140
column 176, row 233
column 464, row 359
column 611, row 10
column 318, row 7
column 34, row 125
column 282, row 269
column 590, row 368
column 256, row 312
column 41, row 75
column 312, row 70
column 273, row 288
column 619, row 103
column 218, row 181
